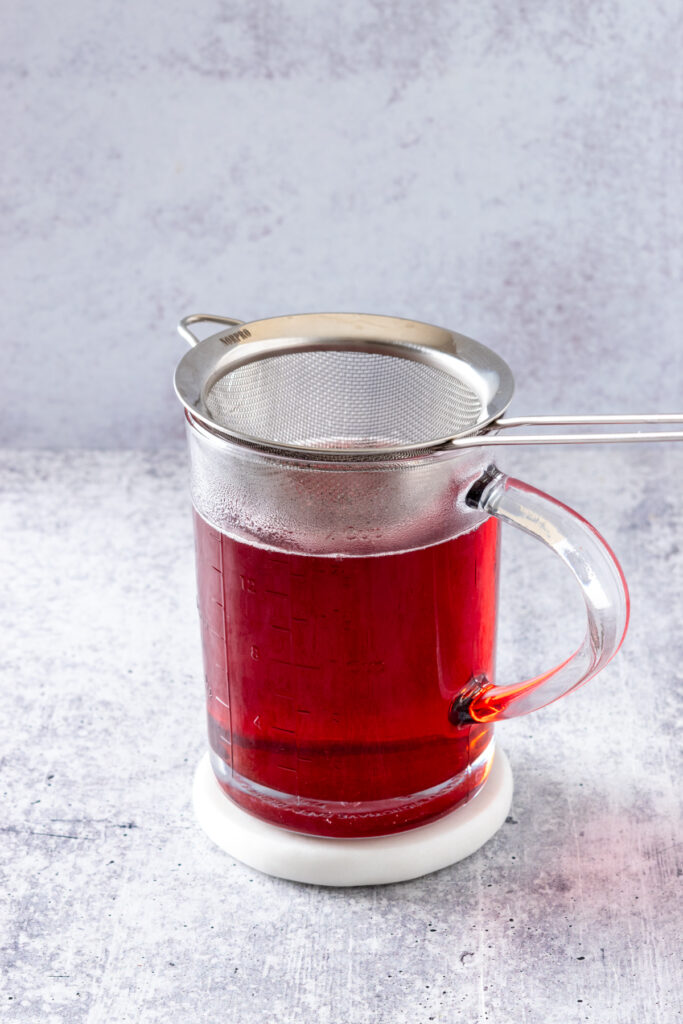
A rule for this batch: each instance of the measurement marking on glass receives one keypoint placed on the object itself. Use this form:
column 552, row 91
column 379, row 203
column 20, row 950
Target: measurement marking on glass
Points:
column 226, row 652
column 279, row 728
column 295, row 664
column 226, row 706
column 278, row 593
column 283, row 629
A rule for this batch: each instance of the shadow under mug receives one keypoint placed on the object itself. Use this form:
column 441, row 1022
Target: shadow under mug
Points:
column 348, row 617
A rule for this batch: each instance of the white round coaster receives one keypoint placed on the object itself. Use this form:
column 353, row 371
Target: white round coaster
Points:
column 375, row 861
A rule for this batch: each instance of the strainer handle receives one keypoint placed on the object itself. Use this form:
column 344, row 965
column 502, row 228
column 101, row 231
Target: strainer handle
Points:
column 592, row 563
column 199, row 318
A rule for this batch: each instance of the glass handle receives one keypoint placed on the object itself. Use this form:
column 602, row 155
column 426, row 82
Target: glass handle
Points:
column 592, row 563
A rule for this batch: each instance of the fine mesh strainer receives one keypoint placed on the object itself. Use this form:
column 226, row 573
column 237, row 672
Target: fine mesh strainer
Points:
column 343, row 385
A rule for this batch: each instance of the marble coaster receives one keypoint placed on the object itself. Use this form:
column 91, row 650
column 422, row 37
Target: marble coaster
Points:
column 341, row 862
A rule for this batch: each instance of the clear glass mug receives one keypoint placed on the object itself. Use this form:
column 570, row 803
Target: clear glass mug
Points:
column 348, row 616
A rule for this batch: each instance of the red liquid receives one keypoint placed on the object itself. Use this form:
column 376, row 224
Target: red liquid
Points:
column 329, row 679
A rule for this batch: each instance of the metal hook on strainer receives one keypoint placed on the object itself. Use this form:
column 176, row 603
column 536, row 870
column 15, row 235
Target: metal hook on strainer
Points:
column 344, row 385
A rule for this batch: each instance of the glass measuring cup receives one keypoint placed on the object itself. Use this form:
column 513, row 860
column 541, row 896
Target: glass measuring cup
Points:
column 348, row 615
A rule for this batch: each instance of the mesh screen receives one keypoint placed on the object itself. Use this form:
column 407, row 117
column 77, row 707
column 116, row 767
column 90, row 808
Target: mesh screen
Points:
column 343, row 399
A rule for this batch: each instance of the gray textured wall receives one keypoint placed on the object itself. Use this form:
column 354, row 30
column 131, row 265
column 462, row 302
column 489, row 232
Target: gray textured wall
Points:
column 510, row 170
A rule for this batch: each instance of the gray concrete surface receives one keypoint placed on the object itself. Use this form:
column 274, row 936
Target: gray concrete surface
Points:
column 510, row 170
column 116, row 908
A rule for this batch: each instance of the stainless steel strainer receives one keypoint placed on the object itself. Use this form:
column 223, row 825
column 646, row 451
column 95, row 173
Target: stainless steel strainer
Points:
column 344, row 385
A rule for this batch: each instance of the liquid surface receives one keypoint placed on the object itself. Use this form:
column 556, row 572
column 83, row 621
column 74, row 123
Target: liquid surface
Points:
column 329, row 679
